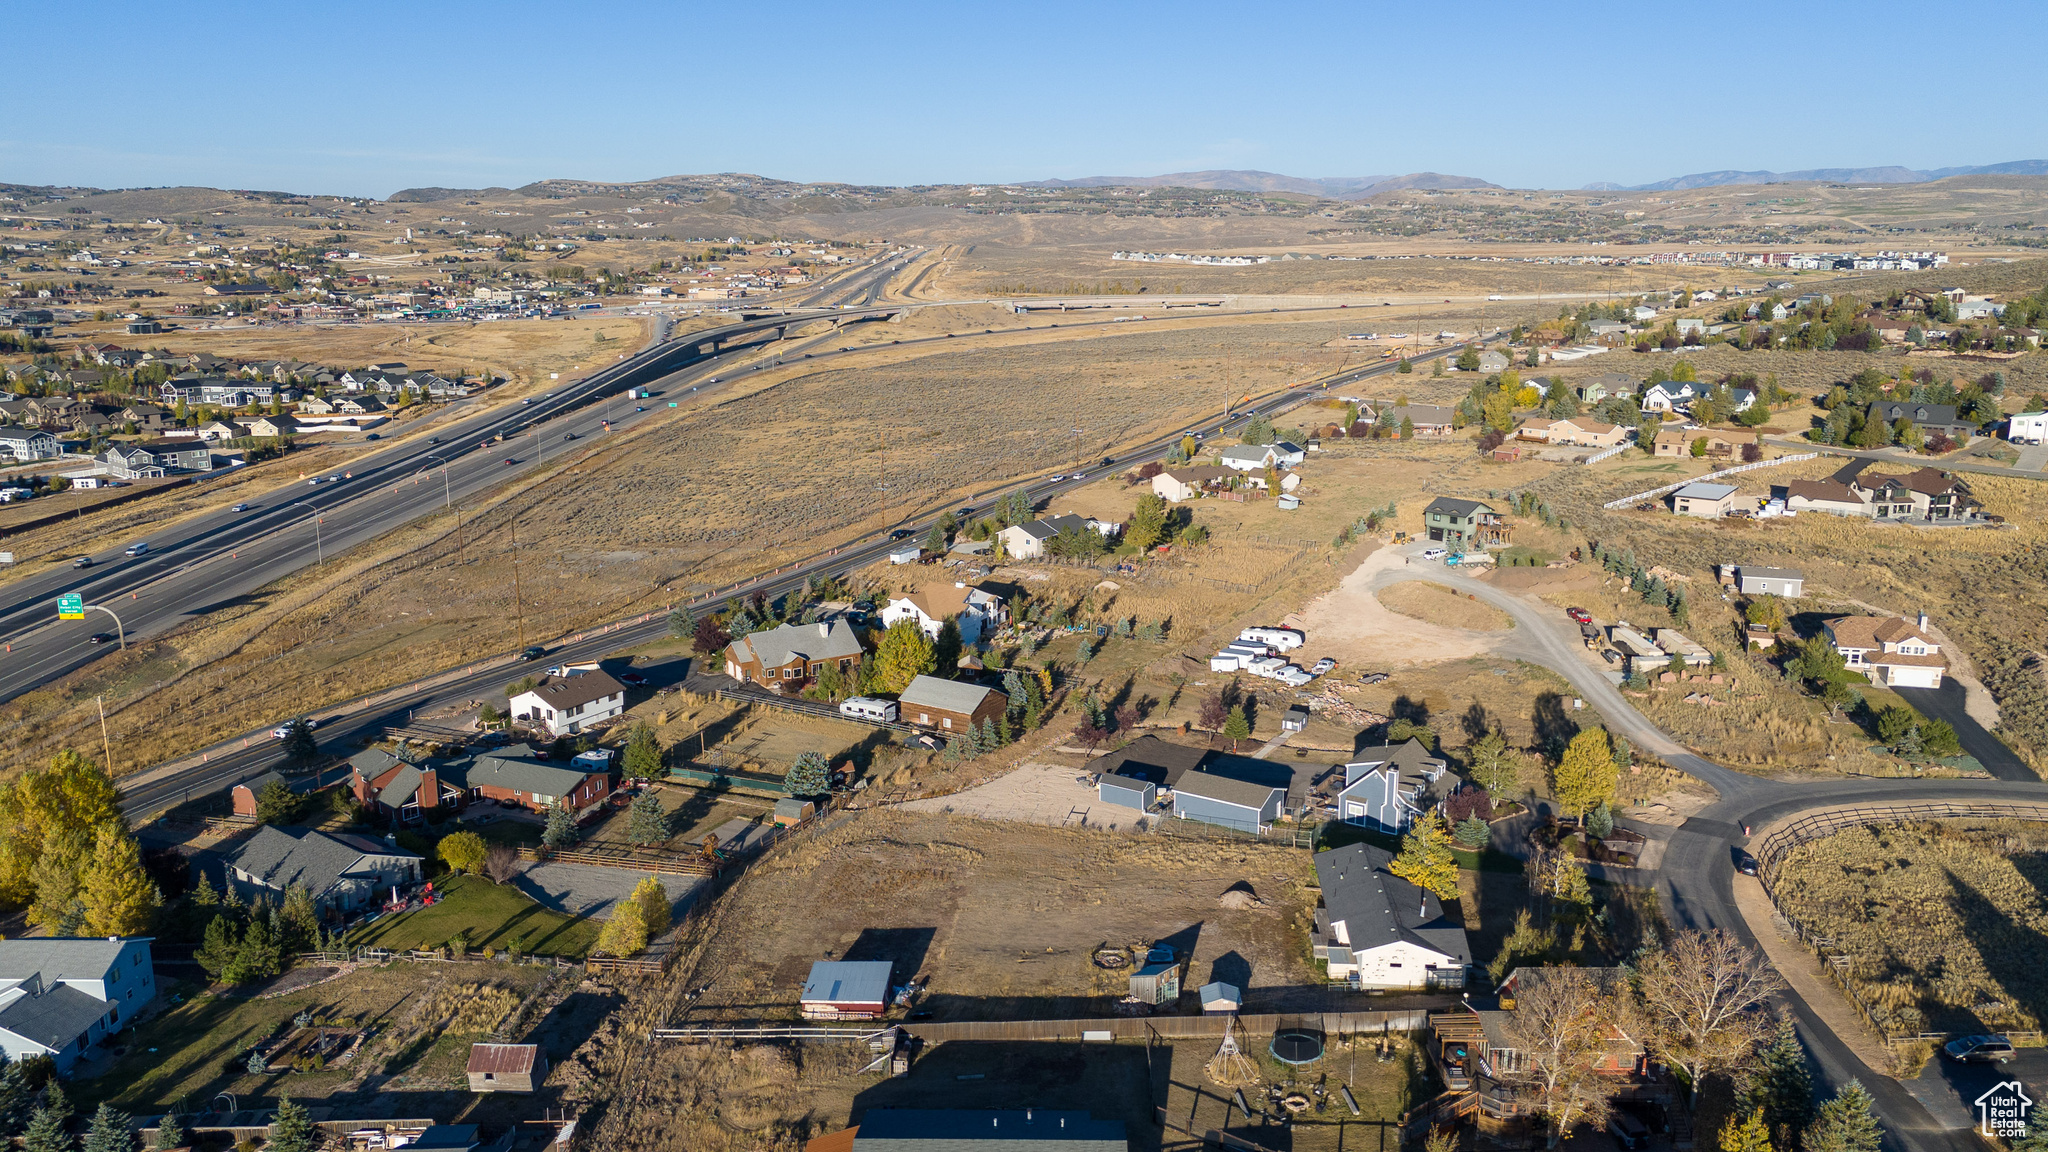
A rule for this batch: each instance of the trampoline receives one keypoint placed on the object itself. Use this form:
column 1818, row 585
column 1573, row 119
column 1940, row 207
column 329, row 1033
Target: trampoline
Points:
column 1295, row 1047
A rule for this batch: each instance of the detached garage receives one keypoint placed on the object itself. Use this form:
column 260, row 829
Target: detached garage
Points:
column 1232, row 803
column 1127, row 792
column 846, row 990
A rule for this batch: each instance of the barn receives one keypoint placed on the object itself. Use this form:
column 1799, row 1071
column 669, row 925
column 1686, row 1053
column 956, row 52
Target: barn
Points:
column 846, row 990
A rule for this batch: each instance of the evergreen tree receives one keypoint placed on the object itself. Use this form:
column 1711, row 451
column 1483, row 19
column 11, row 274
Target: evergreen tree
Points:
column 1425, row 860
column 17, row 1096
column 46, row 1133
column 561, row 830
column 293, row 1130
column 1781, row 1087
column 218, row 947
column 946, row 649
column 109, row 1131
column 1473, row 832
column 681, row 623
column 170, row 1133
column 204, row 895
column 646, row 823
column 808, row 775
column 1846, row 1123
column 643, row 757
column 299, row 743
column 1236, row 727
column 299, row 919
column 261, row 953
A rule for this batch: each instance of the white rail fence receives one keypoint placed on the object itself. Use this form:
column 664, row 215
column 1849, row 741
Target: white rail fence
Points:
column 1656, row 492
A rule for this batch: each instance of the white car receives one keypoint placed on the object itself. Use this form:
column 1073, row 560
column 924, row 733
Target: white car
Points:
column 1496, row 296
column 1323, row 667
column 1435, row 553
column 282, row 730
column 1292, row 676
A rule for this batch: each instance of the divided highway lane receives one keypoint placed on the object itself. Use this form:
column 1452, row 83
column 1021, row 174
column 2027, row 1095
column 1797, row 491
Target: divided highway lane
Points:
column 255, row 753
column 205, row 562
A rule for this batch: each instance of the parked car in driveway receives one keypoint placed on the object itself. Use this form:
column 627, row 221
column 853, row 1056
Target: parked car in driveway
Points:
column 1580, row 615
column 1322, row 667
column 1435, row 553
column 1979, row 1050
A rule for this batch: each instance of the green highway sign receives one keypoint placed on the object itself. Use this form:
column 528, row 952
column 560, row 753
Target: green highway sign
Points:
column 71, row 606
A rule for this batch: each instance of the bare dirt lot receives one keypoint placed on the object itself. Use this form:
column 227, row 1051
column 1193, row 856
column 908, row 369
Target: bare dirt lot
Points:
column 1435, row 604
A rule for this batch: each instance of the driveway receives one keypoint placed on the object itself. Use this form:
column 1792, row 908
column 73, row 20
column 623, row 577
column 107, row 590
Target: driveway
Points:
column 1946, row 703
column 2033, row 458
column 1950, row 1090
column 585, row 890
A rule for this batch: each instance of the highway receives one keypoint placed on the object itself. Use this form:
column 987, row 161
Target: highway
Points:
column 341, row 727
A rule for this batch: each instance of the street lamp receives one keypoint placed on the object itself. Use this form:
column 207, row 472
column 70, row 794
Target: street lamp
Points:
column 447, row 499
column 319, row 552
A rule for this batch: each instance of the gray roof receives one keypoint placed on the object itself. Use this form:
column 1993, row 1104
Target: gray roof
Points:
column 1049, row 527
column 946, row 695
column 566, row 692
column 1151, row 759
column 374, row 762
column 257, row 784
column 1454, row 506
column 779, row 645
column 1378, row 907
column 1771, row 573
column 1225, row 790
column 60, row 958
column 518, row 768
column 849, row 981
column 282, row 857
column 1706, row 491
column 978, row 1130
column 53, row 1019
column 1246, row 452
column 1124, row 783
column 403, row 788
column 1411, row 756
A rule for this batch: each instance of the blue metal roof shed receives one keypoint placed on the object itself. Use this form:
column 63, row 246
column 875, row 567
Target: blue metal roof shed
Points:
column 846, row 988
column 1127, row 791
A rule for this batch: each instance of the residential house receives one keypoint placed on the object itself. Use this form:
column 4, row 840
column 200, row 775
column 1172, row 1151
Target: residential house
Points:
column 1606, row 329
column 949, row 705
column 1929, row 418
column 1493, row 360
column 272, row 426
column 130, row 463
column 1132, row 776
column 60, row 995
column 506, row 1067
column 1427, row 419
column 177, row 455
column 977, row 610
column 1502, row 1056
column 1028, row 541
column 358, row 406
column 341, row 870
column 1389, row 786
column 1830, row 496
column 1187, row 482
column 525, row 777
column 1231, row 801
column 23, row 445
column 219, row 432
column 1704, row 500
column 1924, row 493
column 1594, row 389
column 2027, row 428
column 1259, row 457
column 1753, row 580
column 1722, row 444
column 846, row 989
column 146, row 417
column 1670, row 396
column 1465, row 524
column 964, row 1130
column 1891, row 650
column 790, row 653
column 1377, row 931
column 144, row 327
column 315, row 406
column 1574, row 432
column 568, row 705
column 401, row 790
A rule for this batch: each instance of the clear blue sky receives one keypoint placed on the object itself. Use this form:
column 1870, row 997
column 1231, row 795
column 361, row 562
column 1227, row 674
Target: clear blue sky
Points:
column 367, row 98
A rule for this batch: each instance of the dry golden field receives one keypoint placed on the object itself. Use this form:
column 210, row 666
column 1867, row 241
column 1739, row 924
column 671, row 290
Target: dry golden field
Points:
column 1437, row 604
column 1942, row 923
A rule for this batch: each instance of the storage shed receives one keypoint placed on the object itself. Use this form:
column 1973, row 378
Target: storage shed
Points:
column 1220, row 999
column 1237, row 804
column 1704, row 500
column 793, row 810
column 1294, row 719
column 1786, row 582
column 1126, row 792
column 248, row 792
column 1157, row 982
column 506, row 1067
column 846, row 990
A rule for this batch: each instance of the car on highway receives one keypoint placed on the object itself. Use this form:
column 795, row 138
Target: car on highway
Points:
column 239, row 508
column 1580, row 615
column 279, row 732
column 568, row 435
column 334, row 479
column 139, row 548
column 639, row 408
column 1435, row 553
column 510, row 460
column 433, row 439
column 526, row 400
column 533, row 652
column 81, row 561
column 100, row 638
column 373, row 436
column 1496, row 296
column 902, row 534
column 713, row 380
column 1745, row 863
column 1324, row 666
column 1979, row 1050
column 312, row 481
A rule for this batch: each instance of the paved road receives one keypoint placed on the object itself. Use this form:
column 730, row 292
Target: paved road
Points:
column 1947, row 703
column 1695, row 880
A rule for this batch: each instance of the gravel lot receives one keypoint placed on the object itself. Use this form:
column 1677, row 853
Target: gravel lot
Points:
column 1035, row 794
column 583, row 890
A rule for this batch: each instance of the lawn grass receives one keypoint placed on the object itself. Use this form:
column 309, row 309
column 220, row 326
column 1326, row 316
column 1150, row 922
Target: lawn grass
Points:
column 494, row 916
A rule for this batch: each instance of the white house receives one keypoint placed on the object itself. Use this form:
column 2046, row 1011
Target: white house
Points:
column 1643, row 312
column 58, row 996
column 1027, row 541
column 1669, row 396
column 25, row 444
column 1177, row 484
column 1393, row 785
column 2027, row 428
column 1255, row 457
column 1754, row 580
column 567, row 705
column 1378, row 931
column 1892, row 651
column 977, row 610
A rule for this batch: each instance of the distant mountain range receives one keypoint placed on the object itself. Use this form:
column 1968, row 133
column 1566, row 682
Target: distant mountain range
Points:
column 1889, row 174
column 1239, row 180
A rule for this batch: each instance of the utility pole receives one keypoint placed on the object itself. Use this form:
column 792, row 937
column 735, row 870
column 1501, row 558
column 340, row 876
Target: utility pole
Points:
column 518, row 605
column 106, row 745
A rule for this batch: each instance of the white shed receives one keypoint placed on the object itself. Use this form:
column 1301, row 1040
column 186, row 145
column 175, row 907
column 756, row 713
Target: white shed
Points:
column 1220, row 999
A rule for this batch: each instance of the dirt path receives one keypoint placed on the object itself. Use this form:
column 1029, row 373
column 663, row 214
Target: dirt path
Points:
column 1802, row 971
column 1350, row 623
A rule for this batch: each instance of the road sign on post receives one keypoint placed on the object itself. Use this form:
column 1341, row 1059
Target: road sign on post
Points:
column 71, row 606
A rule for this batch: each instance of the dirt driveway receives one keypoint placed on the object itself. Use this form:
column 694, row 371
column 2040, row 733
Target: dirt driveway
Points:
column 584, row 890
column 1351, row 624
column 1035, row 794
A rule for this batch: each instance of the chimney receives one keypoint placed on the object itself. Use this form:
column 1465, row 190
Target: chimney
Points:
column 1923, row 620
column 824, row 629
